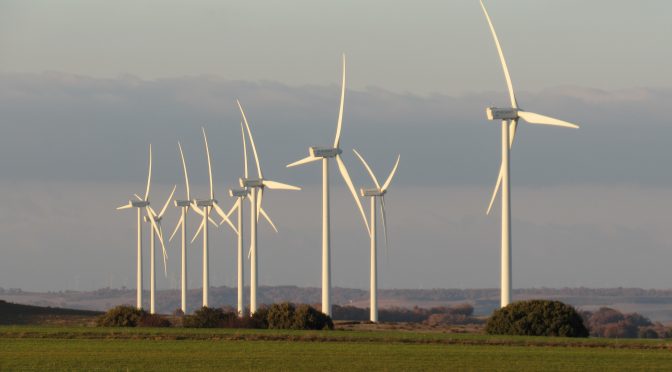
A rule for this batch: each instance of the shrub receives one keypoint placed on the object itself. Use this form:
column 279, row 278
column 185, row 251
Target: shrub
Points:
column 208, row 317
column 260, row 317
column 307, row 317
column 281, row 316
column 178, row 312
column 537, row 318
column 153, row 320
column 121, row 316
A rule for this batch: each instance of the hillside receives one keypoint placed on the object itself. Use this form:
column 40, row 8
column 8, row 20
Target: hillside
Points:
column 11, row 313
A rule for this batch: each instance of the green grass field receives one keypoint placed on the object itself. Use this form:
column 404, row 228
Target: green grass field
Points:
column 60, row 348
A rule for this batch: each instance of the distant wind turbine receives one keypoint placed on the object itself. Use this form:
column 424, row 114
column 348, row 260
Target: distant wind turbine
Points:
column 324, row 154
column 509, row 118
column 139, row 204
column 204, row 207
column 152, row 261
column 377, row 192
column 182, row 224
column 240, row 195
column 256, row 186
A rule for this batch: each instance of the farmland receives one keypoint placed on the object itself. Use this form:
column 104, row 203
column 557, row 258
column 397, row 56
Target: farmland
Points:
column 83, row 348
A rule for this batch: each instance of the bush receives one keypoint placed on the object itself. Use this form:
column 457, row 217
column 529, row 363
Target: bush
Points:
column 281, row 316
column 306, row 317
column 153, row 320
column 208, row 317
column 537, row 318
column 121, row 316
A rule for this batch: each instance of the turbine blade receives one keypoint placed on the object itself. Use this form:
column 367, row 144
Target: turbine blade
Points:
column 384, row 217
column 368, row 169
column 125, row 206
column 273, row 185
column 184, row 167
column 233, row 209
column 200, row 228
column 263, row 213
column 337, row 140
column 533, row 118
column 138, row 197
column 197, row 209
column 242, row 133
column 149, row 173
column 509, row 84
column 177, row 227
column 308, row 159
column 207, row 153
column 163, row 248
column 496, row 190
column 260, row 197
column 249, row 134
column 351, row 187
column 221, row 213
column 165, row 206
column 513, row 125
column 389, row 178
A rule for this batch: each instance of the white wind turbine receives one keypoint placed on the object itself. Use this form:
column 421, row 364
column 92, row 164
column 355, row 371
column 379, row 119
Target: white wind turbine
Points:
column 325, row 153
column 240, row 195
column 203, row 207
column 377, row 192
column 139, row 204
column 255, row 187
column 152, row 261
column 182, row 224
column 509, row 118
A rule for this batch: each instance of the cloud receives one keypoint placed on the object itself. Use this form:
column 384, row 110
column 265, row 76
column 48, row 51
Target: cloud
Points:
column 590, row 203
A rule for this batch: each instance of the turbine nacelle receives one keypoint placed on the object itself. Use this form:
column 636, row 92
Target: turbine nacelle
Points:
column 495, row 113
column 139, row 203
column 251, row 182
column 206, row 202
column 238, row 193
column 324, row 152
column 182, row 203
column 372, row 192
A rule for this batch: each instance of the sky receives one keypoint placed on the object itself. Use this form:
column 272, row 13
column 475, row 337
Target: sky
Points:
column 85, row 86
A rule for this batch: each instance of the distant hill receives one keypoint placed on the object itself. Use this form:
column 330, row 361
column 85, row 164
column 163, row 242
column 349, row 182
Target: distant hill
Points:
column 11, row 313
column 656, row 304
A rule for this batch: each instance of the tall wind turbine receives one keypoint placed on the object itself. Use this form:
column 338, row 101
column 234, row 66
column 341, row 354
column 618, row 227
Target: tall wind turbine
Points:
column 152, row 261
column 324, row 154
column 256, row 186
column 377, row 192
column 509, row 118
column 240, row 195
column 204, row 207
column 182, row 224
column 139, row 204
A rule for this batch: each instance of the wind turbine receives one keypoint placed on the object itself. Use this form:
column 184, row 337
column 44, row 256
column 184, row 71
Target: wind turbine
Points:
column 509, row 118
column 240, row 195
column 204, row 207
column 182, row 224
column 139, row 204
column 152, row 261
column 377, row 192
column 256, row 186
column 324, row 154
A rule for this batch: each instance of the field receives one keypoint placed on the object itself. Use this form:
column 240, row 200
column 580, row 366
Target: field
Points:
column 83, row 348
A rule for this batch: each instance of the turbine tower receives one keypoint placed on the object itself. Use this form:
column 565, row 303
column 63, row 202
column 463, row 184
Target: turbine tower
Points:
column 377, row 192
column 152, row 261
column 240, row 195
column 509, row 118
column 256, row 186
column 182, row 224
column 203, row 207
column 324, row 154
column 139, row 204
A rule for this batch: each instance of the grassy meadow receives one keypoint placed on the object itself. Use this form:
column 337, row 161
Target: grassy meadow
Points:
column 83, row 348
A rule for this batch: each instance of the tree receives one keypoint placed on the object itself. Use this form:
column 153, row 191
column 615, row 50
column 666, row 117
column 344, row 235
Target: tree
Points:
column 537, row 318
